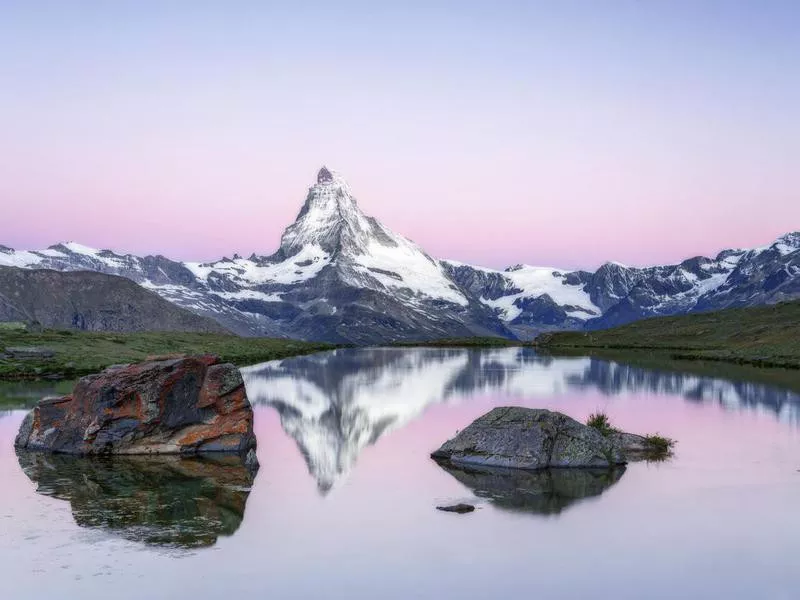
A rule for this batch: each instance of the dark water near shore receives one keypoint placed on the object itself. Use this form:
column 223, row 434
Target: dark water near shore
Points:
column 344, row 503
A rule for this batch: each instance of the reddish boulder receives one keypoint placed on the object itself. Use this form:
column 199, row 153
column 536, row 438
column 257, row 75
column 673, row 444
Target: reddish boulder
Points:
column 165, row 405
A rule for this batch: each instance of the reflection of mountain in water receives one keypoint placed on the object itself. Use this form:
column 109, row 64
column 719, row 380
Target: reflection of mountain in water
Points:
column 162, row 501
column 335, row 403
column 545, row 492
column 614, row 378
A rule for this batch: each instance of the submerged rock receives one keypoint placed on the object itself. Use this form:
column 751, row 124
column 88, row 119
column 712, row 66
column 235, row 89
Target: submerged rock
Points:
column 457, row 508
column 167, row 405
column 525, row 438
column 544, row 492
column 176, row 501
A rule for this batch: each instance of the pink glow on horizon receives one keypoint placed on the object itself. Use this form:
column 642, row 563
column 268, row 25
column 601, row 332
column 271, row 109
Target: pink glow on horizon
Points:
column 528, row 133
column 193, row 218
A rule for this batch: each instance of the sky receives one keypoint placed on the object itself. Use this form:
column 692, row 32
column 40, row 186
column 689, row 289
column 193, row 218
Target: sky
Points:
column 548, row 133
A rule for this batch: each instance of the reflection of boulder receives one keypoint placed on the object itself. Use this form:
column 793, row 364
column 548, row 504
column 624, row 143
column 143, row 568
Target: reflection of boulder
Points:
column 545, row 491
column 157, row 500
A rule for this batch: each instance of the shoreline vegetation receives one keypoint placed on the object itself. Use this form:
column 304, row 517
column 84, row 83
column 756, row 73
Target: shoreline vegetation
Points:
column 759, row 344
column 73, row 353
column 653, row 447
column 764, row 336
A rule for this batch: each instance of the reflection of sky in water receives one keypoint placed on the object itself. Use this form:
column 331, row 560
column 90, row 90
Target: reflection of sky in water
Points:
column 717, row 521
column 335, row 404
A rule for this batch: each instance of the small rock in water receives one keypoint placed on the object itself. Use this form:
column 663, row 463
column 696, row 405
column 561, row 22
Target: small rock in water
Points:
column 457, row 508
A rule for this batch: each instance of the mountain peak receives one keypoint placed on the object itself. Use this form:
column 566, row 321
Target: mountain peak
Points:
column 329, row 216
column 328, row 179
column 790, row 240
column 324, row 175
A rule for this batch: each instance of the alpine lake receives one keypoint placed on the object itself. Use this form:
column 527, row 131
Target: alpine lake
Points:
column 344, row 504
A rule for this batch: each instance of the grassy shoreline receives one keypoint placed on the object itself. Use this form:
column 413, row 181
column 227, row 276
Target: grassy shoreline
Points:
column 764, row 336
column 77, row 353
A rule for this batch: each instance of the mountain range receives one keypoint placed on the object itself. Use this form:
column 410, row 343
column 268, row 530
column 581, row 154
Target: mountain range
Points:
column 342, row 276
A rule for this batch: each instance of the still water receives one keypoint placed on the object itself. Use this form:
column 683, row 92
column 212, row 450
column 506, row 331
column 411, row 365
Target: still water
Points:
column 344, row 503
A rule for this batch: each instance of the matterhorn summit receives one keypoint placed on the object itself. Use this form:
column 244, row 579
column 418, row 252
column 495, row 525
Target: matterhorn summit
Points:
column 331, row 220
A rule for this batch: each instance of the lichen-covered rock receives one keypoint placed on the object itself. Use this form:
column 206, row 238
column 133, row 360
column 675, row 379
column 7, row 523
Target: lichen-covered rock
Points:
column 167, row 405
column 525, row 438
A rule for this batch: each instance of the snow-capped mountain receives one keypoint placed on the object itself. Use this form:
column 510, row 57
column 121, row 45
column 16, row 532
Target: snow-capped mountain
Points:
column 342, row 276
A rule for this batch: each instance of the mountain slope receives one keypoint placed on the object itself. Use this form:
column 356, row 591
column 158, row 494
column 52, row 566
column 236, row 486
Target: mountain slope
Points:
column 533, row 299
column 760, row 335
column 341, row 276
column 91, row 302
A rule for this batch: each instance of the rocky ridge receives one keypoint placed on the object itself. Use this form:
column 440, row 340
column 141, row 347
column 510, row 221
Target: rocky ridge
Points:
column 91, row 302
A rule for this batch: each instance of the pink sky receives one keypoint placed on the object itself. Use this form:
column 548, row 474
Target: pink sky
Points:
column 525, row 134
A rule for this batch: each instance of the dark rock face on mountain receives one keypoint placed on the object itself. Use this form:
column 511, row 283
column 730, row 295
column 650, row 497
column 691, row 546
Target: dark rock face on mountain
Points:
column 92, row 302
column 166, row 405
column 341, row 276
column 172, row 501
column 525, row 438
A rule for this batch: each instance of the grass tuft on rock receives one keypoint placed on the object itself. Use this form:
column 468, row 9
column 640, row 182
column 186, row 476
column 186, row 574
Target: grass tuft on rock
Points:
column 601, row 422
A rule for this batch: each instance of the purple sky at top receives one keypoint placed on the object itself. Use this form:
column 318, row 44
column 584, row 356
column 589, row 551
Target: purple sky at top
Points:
column 550, row 133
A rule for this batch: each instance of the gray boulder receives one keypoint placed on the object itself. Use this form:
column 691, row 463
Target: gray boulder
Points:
column 525, row 438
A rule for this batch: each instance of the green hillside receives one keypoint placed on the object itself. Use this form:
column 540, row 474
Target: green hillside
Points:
column 766, row 336
column 78, row 353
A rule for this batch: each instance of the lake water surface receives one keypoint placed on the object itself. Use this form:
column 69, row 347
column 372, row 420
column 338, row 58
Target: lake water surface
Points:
column 344, row 503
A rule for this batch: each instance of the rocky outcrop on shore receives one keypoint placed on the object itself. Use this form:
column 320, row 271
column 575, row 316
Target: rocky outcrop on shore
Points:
column 166, row 405
column 526, row 438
